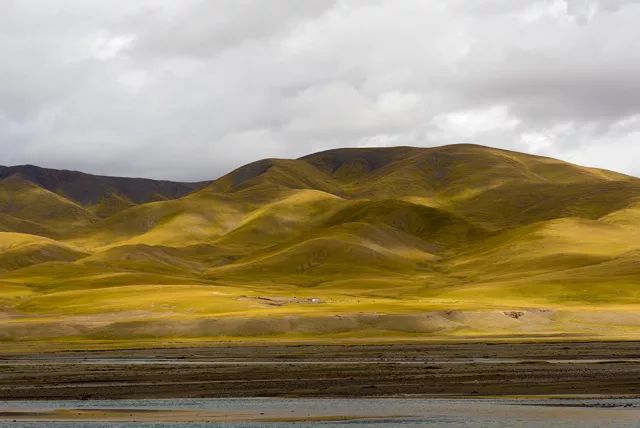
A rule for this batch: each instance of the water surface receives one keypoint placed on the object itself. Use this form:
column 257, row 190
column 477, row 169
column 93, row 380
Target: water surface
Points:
column 374, row 412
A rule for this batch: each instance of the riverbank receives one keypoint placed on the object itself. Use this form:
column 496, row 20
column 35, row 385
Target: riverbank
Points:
column 428, row 370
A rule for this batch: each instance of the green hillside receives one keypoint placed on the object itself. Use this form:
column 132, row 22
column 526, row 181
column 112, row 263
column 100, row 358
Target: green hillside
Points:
column 402, row 243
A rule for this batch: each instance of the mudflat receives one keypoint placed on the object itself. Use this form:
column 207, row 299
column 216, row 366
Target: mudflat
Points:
column 460, row 370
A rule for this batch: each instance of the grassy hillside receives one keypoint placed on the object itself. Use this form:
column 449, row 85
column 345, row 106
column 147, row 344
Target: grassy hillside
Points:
column 396, row 243
column 19, row 250
column 28, row 208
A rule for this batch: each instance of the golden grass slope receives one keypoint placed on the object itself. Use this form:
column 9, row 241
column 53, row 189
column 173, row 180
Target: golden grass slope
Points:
column 27, row 208
column 18, row 250
column 369, row 243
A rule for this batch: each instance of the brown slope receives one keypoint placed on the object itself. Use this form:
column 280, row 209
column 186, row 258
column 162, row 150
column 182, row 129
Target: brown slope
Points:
column 449, row 170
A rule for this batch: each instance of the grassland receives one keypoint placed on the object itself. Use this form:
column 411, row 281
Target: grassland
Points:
column 400, row 243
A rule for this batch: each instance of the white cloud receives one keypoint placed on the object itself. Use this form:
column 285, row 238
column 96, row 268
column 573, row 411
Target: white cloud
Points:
column 105, row 47
column 471, row 125
column 193, row 88
column 537, row 142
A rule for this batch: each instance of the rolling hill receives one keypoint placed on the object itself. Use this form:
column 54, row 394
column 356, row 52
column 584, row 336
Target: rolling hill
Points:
column 408, row 243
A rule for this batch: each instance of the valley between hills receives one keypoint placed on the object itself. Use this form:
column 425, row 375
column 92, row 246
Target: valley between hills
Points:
column 459, row 242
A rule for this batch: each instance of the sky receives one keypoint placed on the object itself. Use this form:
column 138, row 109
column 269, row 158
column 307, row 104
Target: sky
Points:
column 190, row 89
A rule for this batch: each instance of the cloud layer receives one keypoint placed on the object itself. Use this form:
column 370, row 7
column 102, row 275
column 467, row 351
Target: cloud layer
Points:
column 190, row 89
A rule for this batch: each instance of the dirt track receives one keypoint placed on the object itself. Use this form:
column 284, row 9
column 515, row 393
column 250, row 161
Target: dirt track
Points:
column 327, row 371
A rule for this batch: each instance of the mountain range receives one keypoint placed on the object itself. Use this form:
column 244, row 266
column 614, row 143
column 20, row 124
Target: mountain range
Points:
column 347, row 244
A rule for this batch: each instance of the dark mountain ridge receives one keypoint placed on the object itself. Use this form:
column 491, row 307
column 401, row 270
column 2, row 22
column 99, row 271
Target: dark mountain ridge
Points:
column 88, row 189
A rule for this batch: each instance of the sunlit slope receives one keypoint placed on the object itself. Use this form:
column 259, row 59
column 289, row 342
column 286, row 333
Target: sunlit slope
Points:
column 179, row 222
column 451, row 241
column 556, row 244
column 361, row 248
column 293, row 213
column 19, row 250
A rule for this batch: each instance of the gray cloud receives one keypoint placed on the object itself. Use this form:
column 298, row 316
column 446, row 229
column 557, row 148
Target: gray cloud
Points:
column 191, row 89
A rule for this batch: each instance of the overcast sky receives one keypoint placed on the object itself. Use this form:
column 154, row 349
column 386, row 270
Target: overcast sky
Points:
column 189, row 89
